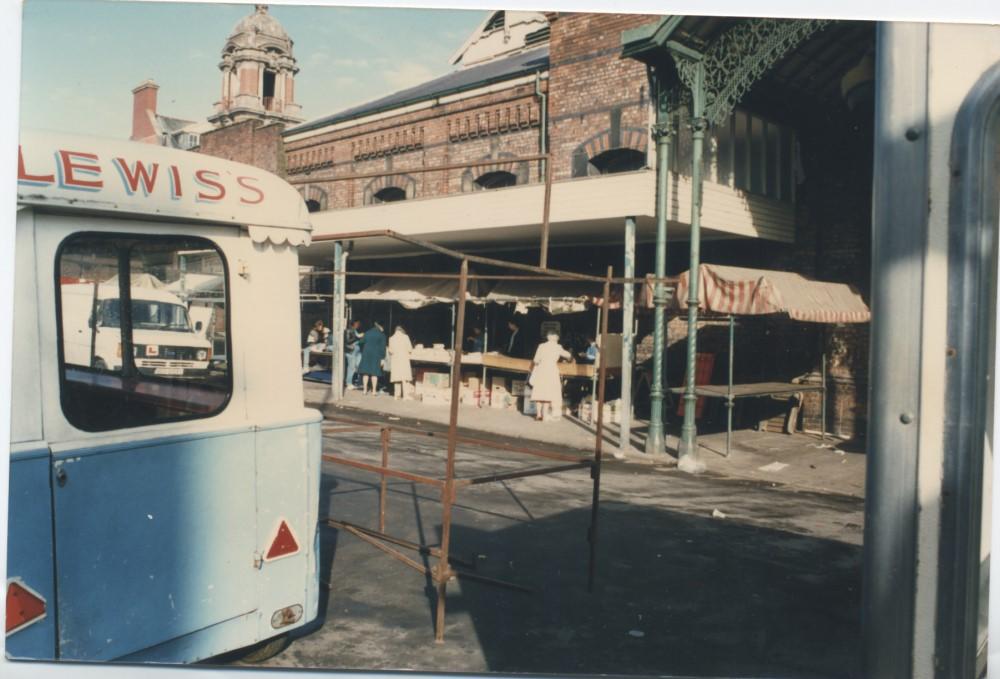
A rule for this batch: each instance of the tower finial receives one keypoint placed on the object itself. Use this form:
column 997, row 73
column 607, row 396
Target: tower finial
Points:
column 260, row 9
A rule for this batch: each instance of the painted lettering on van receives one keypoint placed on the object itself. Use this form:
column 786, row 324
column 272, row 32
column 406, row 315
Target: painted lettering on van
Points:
column 81, row 171
column 242, row 181
column 208, row 180
column 131, row 176
column 72, row 166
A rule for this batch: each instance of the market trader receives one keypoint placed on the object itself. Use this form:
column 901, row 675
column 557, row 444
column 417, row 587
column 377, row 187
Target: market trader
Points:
column 514, row 345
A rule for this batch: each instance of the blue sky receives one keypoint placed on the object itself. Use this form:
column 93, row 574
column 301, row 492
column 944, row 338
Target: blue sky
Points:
column 81, row 58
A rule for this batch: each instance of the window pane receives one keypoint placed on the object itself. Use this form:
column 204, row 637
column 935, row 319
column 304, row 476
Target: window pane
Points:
column 742, row 150
column 787, row 141
column 757, row 155
column 773, row 155
column 723, row 152
column 160, row 357
column 91, row 319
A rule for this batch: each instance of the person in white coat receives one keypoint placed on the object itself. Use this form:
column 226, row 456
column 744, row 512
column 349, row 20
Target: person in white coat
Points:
column 546, row 384
column 400, row 372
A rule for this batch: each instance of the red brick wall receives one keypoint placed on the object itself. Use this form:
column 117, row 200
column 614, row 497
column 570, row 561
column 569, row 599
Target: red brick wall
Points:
column 251, row 142
column 495, row 125
column 143, row 104
column 588, row 80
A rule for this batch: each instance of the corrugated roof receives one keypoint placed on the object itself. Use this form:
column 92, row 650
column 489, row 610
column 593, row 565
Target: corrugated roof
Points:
column 529, row 61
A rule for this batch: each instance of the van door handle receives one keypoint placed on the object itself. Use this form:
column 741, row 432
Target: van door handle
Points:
column 61, row 477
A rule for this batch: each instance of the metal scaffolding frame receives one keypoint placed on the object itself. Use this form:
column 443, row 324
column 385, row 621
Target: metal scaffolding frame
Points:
column 449, row 484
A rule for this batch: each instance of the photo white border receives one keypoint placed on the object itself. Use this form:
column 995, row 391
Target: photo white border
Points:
column 959, row 11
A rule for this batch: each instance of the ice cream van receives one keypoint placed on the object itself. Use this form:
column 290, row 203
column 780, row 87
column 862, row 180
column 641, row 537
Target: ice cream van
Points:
column 163, row 504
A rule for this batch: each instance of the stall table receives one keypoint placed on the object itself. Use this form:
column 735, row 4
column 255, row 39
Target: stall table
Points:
column 731, row 392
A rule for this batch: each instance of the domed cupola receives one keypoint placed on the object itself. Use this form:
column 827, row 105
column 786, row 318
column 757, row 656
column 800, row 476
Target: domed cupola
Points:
column 258, row 73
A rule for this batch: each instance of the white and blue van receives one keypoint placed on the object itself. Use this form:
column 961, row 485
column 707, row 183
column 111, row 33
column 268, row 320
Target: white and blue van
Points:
column 163, row 505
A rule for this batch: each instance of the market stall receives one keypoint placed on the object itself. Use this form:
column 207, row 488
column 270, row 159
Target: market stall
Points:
column 555, row 297
column 731, row 291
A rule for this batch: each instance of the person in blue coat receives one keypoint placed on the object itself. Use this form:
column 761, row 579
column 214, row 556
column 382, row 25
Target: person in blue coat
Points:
column 373, row 345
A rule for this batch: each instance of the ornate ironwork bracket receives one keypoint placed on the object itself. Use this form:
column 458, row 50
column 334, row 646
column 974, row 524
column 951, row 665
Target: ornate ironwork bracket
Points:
column 738, row 58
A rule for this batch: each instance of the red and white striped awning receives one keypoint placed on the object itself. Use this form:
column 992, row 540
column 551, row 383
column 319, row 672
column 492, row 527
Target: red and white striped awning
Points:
column 741, row 291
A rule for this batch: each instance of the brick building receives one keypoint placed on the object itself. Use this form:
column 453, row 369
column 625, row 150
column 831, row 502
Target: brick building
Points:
column 787, row 175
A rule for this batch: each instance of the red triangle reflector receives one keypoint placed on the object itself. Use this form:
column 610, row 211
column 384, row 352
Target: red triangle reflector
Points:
column 23, row 607
column 283, row 544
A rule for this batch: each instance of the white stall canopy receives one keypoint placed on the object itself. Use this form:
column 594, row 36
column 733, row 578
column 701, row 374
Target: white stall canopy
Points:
column 556, row 297
column 417, row 292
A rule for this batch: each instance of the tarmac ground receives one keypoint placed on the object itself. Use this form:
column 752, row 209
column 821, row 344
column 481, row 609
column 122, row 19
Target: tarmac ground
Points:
column 737, row 571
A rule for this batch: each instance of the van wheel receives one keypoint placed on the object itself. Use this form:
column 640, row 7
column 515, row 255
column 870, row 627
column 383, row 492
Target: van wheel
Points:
column 265, row 650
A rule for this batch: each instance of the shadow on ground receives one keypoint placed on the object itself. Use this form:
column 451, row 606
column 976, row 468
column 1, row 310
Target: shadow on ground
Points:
column 674, row 593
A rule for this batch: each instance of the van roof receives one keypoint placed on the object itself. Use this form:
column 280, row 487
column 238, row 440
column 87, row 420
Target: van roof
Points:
column 110, row 291
column 67, row 171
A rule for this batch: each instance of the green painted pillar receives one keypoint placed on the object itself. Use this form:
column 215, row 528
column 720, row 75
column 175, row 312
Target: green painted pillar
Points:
column 662, row 131
column 689, row 459
column 337, row 323
column 628, row 340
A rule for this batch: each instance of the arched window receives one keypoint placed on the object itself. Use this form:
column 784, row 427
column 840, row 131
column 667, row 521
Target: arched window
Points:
column 389, row 194
column 618, row 160
column 496, row 180
column 313, row 205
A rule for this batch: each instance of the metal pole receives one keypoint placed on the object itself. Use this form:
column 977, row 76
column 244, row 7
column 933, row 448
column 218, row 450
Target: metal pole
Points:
column 688, row 457
column 453, row 347
column 729, row 388
column 383, row 486
column 337, row 329
column 486, row 346
column 443, row 571
column 543, row 260
column 593, row 380
column 822, row 434
column 595, row 470
column 628, row 321
column 661, row 133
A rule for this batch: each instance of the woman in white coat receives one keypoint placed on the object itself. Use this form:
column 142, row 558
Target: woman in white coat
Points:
column 400, row 373
column 546, row 384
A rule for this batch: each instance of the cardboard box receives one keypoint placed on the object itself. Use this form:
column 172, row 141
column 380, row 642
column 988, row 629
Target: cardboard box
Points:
column 483, row 397
column 437, row 380
column 528, row 406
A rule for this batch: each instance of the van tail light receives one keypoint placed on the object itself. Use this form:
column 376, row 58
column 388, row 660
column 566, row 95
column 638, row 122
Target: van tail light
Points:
column 283, row 543
column 24, row 607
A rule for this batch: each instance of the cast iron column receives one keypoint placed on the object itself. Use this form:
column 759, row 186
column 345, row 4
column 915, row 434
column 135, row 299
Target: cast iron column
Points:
column 688, row 457
column 337, row 325
column 661, row 133
column 628, row 339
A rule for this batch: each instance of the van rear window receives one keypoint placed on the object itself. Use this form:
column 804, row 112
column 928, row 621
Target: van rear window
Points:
column 143, row 330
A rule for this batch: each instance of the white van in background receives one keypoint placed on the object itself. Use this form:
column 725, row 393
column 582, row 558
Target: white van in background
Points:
column 164, row 340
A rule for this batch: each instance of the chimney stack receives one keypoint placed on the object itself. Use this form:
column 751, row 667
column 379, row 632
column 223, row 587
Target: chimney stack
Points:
column 143, row 111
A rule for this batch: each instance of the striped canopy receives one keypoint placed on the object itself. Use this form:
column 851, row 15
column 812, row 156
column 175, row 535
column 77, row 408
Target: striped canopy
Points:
column 741, row 291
